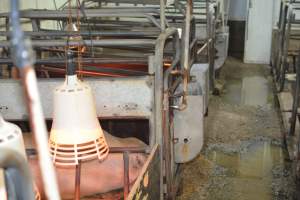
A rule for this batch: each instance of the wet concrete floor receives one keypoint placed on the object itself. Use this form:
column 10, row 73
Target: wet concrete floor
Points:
column 252, row 91
column 243, row 158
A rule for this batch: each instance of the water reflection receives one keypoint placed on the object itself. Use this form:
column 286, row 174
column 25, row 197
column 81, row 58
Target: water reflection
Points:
column 252, row 91
column 249, row 174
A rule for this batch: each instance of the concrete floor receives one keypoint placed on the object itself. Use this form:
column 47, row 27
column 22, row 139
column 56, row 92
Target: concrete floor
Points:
column 243, row 158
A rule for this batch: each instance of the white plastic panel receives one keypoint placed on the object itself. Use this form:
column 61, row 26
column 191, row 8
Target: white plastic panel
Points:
column 189, row 130
column 201, row 74
column 115, row 98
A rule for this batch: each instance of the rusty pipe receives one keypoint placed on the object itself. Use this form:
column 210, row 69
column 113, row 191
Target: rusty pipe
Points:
column 126, row 174
column 77, row 181
column 37, row 124
column 23, row 59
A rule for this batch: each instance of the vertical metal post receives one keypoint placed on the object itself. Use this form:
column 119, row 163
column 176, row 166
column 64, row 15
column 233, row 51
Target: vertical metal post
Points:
column 23, row 60
column 167, row 153
column 126, row 173
column 211, row 46
column 187, row 31
column 151, row 70
column 158, row 104
column 40, row 133
column 77, row 180
column 296, row 101
column 162, row 15
column 286, row 38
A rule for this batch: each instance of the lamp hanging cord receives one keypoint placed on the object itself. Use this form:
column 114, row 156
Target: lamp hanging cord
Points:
column 23, row 58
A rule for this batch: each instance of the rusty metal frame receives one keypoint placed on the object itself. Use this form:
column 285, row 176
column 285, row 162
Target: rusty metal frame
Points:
column 125, row 151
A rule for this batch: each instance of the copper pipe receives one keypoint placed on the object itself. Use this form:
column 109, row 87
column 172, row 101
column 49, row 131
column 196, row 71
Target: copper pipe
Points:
column 98, row 74
column 126, row 174
column 39, row 130
column 21, row 54
column 87, row 73
column 77, row 181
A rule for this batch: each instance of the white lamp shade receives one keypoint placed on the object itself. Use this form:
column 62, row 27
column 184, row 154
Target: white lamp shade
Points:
column 76, row 133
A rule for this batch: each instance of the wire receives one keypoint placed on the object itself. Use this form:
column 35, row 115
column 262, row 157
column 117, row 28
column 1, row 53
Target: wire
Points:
column 82, row 7
column 78, row 28
column 55, row 6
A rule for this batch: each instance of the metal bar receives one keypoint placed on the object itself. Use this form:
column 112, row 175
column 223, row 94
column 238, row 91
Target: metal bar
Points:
column 167, row 152
column 56, row 60
column 54, row 14
column 85, row 33
column 186, row 48
column 159, row 89
column 211, row 47
column 99, row 69
column 126, row 22
column 99, row 43
column 40, row 132
column 203, row 47
column 77, row 181
column 126, row 174
column 295, row 101
column 23, row 61
column 129, row 149
column 148, row 2
column 286, row 43
column 64, row 14
column 162, row 15
column 280, row 41
column 187, row 31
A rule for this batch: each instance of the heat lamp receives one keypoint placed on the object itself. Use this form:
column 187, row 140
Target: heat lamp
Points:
column 11, row 138
column 76, row 134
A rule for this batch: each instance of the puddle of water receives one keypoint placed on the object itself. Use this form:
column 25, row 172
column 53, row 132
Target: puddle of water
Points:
column 255, row 91
column 233, row 92
column 252, row 91
column 248, row 175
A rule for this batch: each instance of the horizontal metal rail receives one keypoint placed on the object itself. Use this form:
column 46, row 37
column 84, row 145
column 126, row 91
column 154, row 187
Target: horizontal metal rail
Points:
column 86, row 33
column 65, row 14
column 95, row 43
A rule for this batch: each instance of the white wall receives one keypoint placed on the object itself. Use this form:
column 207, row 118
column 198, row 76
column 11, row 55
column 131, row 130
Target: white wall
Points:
column 276, row 10
column 26, row 4
column 238, row 10
column 258, row 38
column 34, row 4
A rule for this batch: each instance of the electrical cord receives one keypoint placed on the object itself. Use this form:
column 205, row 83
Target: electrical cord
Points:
column 82, row 7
